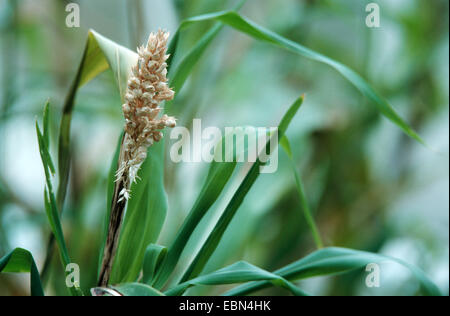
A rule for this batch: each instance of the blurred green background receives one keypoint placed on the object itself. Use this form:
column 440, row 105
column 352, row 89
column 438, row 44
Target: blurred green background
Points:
column 370, row 186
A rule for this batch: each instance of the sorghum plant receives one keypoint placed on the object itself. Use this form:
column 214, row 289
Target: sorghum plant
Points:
column 146, row 89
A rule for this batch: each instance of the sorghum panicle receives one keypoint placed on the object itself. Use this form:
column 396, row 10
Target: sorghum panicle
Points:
column 147, row 88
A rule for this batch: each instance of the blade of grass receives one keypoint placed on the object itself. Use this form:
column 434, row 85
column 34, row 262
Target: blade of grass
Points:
column 21, row 261
column 252, row 29
column 186, row 65
column 144, row 218
column 99, row 55
column 284, row 142
column 180, row 74
column 46, row 123
column 51, row 207
column 154, row 256
column 237, row 273
column 218, row 175
column 137, row 289
column 332, row 261
column 215, row 236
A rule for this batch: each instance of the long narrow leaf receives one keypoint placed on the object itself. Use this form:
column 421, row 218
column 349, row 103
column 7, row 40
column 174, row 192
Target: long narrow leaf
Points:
column 180, row 74
column 332, row 261
column 236, row 273
column 21, row 261
column 215, row 236
column 252, row 29
column 49, row 198
column 146, row 212
column 218, row 176
column 46, row 124
column 137, row 289
column 51, row 207
column 284, row 142
column 99, row 55
column 154, row 256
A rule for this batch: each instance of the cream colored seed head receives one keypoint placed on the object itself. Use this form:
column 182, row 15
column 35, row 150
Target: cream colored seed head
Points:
column 147, row 88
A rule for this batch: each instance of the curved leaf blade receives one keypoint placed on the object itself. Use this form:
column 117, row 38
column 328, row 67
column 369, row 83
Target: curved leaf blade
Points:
column 136, row 289
column 21, row 261
column 258, row 32
column 219, row 229
column 332, row 261
column 51, row 208
column 144, row 218
column 100, row 54
column 184, row 68
column 218, row 175
column 284, row 142
column 237, row 273
column 154, row 256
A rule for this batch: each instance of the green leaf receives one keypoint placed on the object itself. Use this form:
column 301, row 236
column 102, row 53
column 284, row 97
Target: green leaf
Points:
column 332, row 261
column 99, row 55
column 55, row 224
column 21, row 261
column 218, row 175
column 51, row 207
column 284, row 142
column 145, row 215
column 46, row 121
column 180, row 74
column 154, row 256
column 236, row 273
column 137, row 289
column 252, row 29
column 215, row 236
column 186, row 65
column 49, row 198
column 43, row 150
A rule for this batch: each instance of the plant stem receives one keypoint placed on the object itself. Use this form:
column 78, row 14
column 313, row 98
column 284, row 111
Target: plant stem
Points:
column 115, row 224
column 306, row 210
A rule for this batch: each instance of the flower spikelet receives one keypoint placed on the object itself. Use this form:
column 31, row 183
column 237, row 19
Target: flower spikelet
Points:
column 147, row 88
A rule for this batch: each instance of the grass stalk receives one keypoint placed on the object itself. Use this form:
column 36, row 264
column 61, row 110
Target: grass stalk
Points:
column 114, row 226
column 285, row 144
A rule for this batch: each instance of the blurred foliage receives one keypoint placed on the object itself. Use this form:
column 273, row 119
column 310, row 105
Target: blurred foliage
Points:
column 370, row 187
